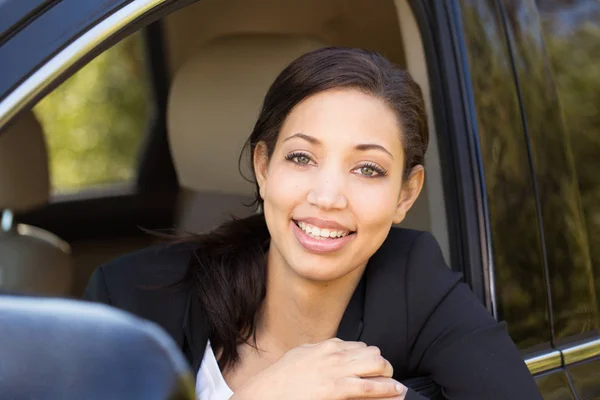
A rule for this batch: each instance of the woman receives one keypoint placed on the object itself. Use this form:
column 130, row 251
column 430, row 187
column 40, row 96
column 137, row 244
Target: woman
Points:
column 316, row 297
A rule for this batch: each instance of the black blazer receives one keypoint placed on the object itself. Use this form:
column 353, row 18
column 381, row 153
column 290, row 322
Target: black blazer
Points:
column 426, row 322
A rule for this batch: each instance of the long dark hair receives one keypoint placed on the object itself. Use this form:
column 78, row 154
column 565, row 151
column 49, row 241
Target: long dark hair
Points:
column 229, row 267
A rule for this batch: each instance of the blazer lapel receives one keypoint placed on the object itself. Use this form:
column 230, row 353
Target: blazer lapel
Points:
column 351, row 325
column 196, row 328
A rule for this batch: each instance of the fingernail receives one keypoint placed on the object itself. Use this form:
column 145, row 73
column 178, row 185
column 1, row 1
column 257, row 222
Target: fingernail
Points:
column 399, row 388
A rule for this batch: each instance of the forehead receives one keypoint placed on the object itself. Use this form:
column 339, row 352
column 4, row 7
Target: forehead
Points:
column 345, row 116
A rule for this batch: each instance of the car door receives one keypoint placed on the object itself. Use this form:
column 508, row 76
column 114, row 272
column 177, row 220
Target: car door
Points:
column 534, row 79
column 555, row 48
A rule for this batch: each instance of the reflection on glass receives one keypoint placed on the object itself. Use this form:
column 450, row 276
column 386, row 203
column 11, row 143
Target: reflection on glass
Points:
column 95, row 120
column 519, row 272
column 554, row 386
column 572, row 280
column 571, row 31
column 586, row 379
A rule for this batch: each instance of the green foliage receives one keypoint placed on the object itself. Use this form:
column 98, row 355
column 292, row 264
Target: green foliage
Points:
column 95, row 120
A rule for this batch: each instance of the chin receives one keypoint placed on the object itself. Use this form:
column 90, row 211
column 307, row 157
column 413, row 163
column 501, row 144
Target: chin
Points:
column 320, row 268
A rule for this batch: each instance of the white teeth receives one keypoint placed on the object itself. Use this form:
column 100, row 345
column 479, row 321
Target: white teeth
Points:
column 319, row 233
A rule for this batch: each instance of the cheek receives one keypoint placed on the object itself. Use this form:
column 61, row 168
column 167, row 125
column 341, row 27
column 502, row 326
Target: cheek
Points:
column 285, row 188
column 374, row 204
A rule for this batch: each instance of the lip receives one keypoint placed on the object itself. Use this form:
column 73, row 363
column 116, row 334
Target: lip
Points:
column 320, row 246
column 322, row 223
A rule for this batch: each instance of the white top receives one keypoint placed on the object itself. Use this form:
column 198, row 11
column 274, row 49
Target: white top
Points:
column 210, row 384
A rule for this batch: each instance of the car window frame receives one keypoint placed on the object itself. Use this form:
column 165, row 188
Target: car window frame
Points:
column 120, row 209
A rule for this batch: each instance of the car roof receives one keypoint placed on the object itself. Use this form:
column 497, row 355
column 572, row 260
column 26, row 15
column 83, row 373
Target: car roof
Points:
column 16, row 12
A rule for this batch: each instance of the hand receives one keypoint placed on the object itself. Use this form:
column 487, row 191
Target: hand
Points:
column 398, row 397
column 331, row 370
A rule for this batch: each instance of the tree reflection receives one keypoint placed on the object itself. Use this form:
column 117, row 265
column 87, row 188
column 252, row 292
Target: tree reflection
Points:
column 559, row 76
column 520, row 284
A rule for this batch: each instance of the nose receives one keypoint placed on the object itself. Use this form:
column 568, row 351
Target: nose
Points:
column 327, row 191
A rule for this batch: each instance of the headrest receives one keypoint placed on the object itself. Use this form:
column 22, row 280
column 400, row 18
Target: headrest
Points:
column 24, row 177
column 214, row 102
column 67, row 349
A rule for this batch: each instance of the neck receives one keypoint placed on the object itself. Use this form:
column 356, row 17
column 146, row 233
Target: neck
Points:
column 298, row 311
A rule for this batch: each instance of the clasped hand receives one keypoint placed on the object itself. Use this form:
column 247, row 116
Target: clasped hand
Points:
column 330, row 370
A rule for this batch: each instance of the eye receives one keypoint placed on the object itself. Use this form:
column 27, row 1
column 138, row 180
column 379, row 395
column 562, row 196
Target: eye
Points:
column 370, row 170
column 299, row 158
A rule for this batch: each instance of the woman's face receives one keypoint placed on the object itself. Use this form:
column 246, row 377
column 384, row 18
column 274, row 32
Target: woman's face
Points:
column 333, row 185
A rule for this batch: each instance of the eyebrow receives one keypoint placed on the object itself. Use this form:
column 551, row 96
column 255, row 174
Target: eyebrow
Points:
column 304, row 136
column 361, row 147
column 372, row 146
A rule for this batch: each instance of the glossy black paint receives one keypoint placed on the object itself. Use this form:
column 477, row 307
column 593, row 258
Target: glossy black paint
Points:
column 15, row 15
column 45, row 35
column 518, row 258
column 562, row 225
column 571, row 34
column 453, row 119
column 556, row 386
column 586, row 379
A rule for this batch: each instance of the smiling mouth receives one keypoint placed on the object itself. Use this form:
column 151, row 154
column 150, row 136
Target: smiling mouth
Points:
column 322, row 233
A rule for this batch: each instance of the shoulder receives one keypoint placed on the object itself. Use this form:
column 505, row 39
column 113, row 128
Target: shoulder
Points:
column 418, row 256
column 411, row 255
column 156, row 265
column 417, row 261
column 145, row 283
column 147, row 271
column 409, row 271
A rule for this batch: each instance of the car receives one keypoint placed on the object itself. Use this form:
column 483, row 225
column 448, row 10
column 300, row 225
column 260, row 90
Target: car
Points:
column 122, row 117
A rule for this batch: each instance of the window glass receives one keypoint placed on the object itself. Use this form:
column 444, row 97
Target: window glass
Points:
column 94, row 121
column 519, row 271
column 567, row 243
column 554, row 386
column 586, row 379
column 571, row 32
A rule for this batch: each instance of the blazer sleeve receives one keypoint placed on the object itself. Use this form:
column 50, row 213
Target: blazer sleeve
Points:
column 96, row 289
column 453, row 339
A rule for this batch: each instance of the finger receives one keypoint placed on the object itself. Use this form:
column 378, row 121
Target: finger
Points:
column 337, row 345
column 370, row 388
column 349, row 346
column 367, row 362
column 401, row 397
column 370, row 365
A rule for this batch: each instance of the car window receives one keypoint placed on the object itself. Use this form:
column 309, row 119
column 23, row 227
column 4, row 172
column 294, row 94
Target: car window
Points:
column 585, row 379
column 517, row 255
column 571, row 31
column 555, row 386
column 94, row 122
column 548, row 112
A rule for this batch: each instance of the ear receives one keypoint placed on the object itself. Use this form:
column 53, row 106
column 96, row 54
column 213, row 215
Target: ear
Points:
column 261, row 164
column 409, row 193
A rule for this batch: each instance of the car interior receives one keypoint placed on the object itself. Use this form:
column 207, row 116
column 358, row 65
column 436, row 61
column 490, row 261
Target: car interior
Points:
column 66, row 349
column 221, row 56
